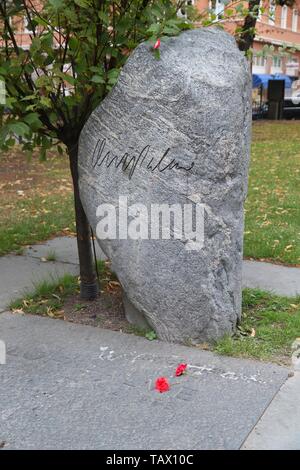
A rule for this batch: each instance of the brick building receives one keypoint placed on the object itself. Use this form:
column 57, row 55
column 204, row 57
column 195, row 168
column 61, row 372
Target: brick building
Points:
column 277, row 26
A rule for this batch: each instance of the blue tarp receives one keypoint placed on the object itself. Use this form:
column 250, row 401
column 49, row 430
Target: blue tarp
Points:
column 263, row 79
column 286, row 78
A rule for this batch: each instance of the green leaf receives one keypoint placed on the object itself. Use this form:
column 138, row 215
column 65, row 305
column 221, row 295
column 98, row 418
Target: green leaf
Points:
column 33, row 121
column 28, row 98
column 171, row 30
column 104, row 17
column 97, row 79
column 45, row 102
column 67, row 77
column 154, row 29
column 36, row 44
column 151, row 335
column 82, row 3
column 73, row 43
column 19, row 128
column 57, row 4
column 113, row 76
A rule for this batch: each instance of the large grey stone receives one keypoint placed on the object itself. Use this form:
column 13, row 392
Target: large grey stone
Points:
column 192, row 107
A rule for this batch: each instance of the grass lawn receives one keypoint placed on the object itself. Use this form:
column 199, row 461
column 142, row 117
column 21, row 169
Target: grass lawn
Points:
column 272, row 228
column 36, row 198
column 269, row 325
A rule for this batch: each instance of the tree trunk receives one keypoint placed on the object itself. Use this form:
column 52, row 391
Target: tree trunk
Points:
column 247, row 35
column 88, row 278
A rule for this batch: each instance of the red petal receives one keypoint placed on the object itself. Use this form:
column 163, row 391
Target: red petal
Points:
column 180, row 369
column 162, row 384
column 157, row 44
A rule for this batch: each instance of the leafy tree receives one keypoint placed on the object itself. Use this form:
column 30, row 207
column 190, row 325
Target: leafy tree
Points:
column 76, row 52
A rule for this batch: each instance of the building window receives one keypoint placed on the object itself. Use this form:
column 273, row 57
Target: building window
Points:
column 219, row 8
column 295, row 21
column 259, row 60
column 272, row 11
column 259, row 12
column 26, row 29
column 276, row 61
column 284, row 11
column 183, row 10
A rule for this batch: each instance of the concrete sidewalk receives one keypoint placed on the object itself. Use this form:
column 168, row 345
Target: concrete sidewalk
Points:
column 68, row 386
column 20, row 273
column 281, row 280
column 279, row 427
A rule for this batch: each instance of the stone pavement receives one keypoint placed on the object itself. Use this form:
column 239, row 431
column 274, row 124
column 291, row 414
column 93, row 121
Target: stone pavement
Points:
column 73, row 386
column 282, row 280
column 68, row 386
column 279, row 427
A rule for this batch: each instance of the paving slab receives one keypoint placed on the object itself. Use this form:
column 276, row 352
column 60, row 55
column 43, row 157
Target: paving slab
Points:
column 64, row 248
column 19, row 274
column 279, row 427
column 282, row 280
column 68, row 386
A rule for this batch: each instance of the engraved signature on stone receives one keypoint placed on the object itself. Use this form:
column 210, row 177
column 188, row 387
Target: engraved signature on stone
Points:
column 141, row 159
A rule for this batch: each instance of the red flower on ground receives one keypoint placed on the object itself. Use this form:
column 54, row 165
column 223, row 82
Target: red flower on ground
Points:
column 180, row 369
column 162, row 385
column 157, row 44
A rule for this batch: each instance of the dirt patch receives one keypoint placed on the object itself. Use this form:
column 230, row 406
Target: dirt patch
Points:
column 106, row 311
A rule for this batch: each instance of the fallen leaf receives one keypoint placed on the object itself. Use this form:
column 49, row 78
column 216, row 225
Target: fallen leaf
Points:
column 56, row 296
column 18, row 310
column 59, row 314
